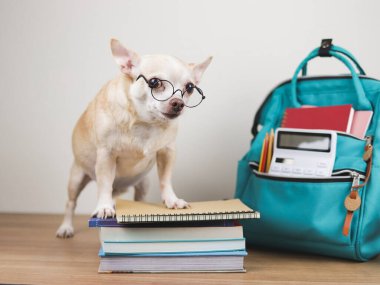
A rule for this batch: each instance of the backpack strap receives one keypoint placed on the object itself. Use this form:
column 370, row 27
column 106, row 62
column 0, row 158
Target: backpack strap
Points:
column 338, row 52
column 362, row 99
column 324, row 51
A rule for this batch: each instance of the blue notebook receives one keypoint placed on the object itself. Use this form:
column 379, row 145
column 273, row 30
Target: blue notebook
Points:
column 96, row 222
column 213, row 253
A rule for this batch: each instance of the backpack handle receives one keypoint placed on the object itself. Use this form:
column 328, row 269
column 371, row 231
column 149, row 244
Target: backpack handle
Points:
column 344, row 52
column 362, row 99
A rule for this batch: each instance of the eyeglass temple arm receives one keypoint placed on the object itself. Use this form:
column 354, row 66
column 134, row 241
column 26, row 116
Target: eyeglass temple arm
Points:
column 200, row 91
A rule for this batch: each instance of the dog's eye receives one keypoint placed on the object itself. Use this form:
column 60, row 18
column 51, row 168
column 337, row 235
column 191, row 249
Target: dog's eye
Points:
column 154, row 83
column 189, row 88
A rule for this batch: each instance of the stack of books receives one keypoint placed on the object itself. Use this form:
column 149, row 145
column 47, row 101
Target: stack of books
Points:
column 151, row 238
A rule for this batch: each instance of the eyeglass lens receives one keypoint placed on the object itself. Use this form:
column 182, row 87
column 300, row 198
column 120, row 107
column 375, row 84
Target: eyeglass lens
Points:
column 165, row 90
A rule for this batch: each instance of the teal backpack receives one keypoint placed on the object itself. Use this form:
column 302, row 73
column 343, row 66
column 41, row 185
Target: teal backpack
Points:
column 309, row 214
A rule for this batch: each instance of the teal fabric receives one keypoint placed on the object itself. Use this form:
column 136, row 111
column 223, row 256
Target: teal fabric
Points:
column 359, row 100
column 309, row 216
column 346, row 53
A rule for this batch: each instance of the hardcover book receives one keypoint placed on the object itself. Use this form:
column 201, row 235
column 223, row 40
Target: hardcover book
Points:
column 336, row 118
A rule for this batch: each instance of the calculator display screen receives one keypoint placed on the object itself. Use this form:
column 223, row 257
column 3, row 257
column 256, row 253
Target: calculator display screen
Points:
column 284, row 160
column 304, row 141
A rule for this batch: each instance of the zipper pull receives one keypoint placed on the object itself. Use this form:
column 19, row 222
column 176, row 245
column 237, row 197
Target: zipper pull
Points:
column 351, row 203
column 368, row 140
column 368, row 149
column 356, row 179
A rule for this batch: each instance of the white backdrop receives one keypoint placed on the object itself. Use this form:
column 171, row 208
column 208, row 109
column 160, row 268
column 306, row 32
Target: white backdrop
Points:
column 55, row 56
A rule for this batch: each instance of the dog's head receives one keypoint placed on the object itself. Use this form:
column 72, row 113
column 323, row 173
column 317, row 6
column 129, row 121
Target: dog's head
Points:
column 162, row 86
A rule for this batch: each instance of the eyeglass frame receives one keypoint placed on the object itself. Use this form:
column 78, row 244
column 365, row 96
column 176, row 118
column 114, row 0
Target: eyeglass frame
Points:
column 174, row 91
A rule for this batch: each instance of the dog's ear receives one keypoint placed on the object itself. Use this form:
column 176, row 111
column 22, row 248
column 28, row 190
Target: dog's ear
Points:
column 126, row 58
column 199, row 69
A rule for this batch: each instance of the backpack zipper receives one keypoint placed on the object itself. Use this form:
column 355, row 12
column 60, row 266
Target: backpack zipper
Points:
column 356, row 179
column 344, row 175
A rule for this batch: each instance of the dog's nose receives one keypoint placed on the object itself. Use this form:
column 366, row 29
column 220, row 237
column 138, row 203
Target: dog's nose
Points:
column 176, row 104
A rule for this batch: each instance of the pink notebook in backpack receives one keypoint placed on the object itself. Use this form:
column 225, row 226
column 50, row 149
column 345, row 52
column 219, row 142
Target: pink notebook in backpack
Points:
column 360, row 123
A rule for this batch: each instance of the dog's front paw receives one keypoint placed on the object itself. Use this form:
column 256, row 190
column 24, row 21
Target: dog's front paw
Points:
column 65, row 231
column 175, row 203
column 104, row 212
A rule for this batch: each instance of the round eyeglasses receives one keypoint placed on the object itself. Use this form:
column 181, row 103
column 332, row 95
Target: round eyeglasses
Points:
column 163, row 90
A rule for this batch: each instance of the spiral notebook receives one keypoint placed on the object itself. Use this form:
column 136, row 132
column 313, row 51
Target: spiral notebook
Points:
column 141, row 212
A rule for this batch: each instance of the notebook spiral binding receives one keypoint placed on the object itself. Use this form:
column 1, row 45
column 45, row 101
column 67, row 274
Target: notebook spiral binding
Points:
column 189, row 217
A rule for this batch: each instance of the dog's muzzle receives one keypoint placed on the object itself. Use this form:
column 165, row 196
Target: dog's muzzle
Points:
column 176, row 105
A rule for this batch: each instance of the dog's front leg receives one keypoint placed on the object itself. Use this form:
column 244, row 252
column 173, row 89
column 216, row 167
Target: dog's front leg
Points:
column 105, row 170
column 165, row 162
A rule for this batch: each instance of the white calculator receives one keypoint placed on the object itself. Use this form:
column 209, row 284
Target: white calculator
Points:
column 303, row 153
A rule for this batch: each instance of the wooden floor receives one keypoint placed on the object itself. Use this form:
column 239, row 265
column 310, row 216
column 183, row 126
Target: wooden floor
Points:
column 31, row 254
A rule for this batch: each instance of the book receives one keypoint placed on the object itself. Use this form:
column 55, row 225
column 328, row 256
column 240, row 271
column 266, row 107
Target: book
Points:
column 213, row 253
column 360, row 123
column 336, row 118
column 232, row 261
column 165, row 246
column 98, row 222
column 112, row 222
column 155, row 234
column 141, row 212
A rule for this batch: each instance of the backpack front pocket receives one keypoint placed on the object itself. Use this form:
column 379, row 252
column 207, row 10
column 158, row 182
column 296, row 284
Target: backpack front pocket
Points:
column 301, row 209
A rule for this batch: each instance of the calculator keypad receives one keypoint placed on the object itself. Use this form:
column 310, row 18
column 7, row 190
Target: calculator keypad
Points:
column 321, row 170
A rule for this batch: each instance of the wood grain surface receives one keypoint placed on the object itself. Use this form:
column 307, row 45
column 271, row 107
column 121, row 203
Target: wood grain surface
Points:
column 31, row 254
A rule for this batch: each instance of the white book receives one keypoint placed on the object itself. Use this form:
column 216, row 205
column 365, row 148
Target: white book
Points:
column 174, row 246
column 137, row 234
column 172, row 264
